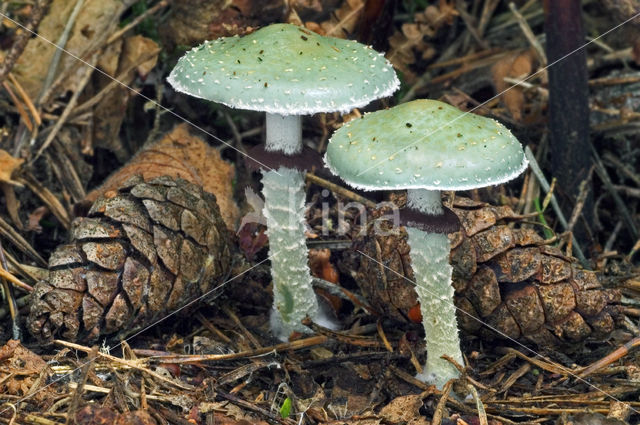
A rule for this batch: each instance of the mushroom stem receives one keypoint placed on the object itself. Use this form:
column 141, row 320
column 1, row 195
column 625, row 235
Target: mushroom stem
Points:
column 424, row 200
column 430, row 263
column 293, row 296
column 284, row 133
column 284, row 207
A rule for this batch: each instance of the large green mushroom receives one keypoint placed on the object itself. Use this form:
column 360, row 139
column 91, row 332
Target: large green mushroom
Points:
column 426, row 146
column 285, row 71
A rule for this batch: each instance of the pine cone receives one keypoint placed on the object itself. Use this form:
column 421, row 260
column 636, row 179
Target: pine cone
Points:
column 507, row 278
column 141, row 253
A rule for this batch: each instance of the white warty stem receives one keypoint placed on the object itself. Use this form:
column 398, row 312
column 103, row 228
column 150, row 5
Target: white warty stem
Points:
column 284, row 208
column 430, row 263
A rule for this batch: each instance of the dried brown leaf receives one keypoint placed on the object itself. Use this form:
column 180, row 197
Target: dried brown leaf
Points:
column 20, row 368
column 96, row 18
column 320, row 265
column 404, row 410
column 516, row 65
column 8, row 164
column 135, row 50
column 138, row 55
column 110, row 57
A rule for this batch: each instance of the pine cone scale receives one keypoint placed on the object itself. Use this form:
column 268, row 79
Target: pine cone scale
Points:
column 117, row 315
column 123, row 209
column 142, row 241
column 91, row 228
column 164, row 213
column 91, row 312
column 106, row 254
column 168, row 247
column 492, row 242
column 147, row 191
column 160, row 285
column 558, row 301
column 135, row 278
column 484, row 291
column 524, row 305
column 101, row 285
column 68, row 279
column 65, row 255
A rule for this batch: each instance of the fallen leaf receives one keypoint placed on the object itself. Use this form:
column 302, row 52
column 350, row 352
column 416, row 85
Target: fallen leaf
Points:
column 90, row 25
column 321, row 266
column 404, row 409
column 110, row 58
column 139, row 52
column 8, row 165
column 20, row 368
column 136, row 57
column 517, row 65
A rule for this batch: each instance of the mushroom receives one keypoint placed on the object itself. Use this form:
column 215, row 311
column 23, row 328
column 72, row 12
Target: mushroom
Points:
column 426, row 146
column 285, row 71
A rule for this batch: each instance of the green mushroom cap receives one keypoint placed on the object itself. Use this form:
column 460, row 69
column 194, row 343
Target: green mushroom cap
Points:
column 285, row 69
column 424, row 144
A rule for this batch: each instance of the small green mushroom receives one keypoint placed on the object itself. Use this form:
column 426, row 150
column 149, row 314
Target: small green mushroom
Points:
column 426, row 146
column 286, row 71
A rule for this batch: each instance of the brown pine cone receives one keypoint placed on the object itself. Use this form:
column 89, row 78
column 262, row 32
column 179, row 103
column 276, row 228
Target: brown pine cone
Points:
column 141, row 253
column 504, row 277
